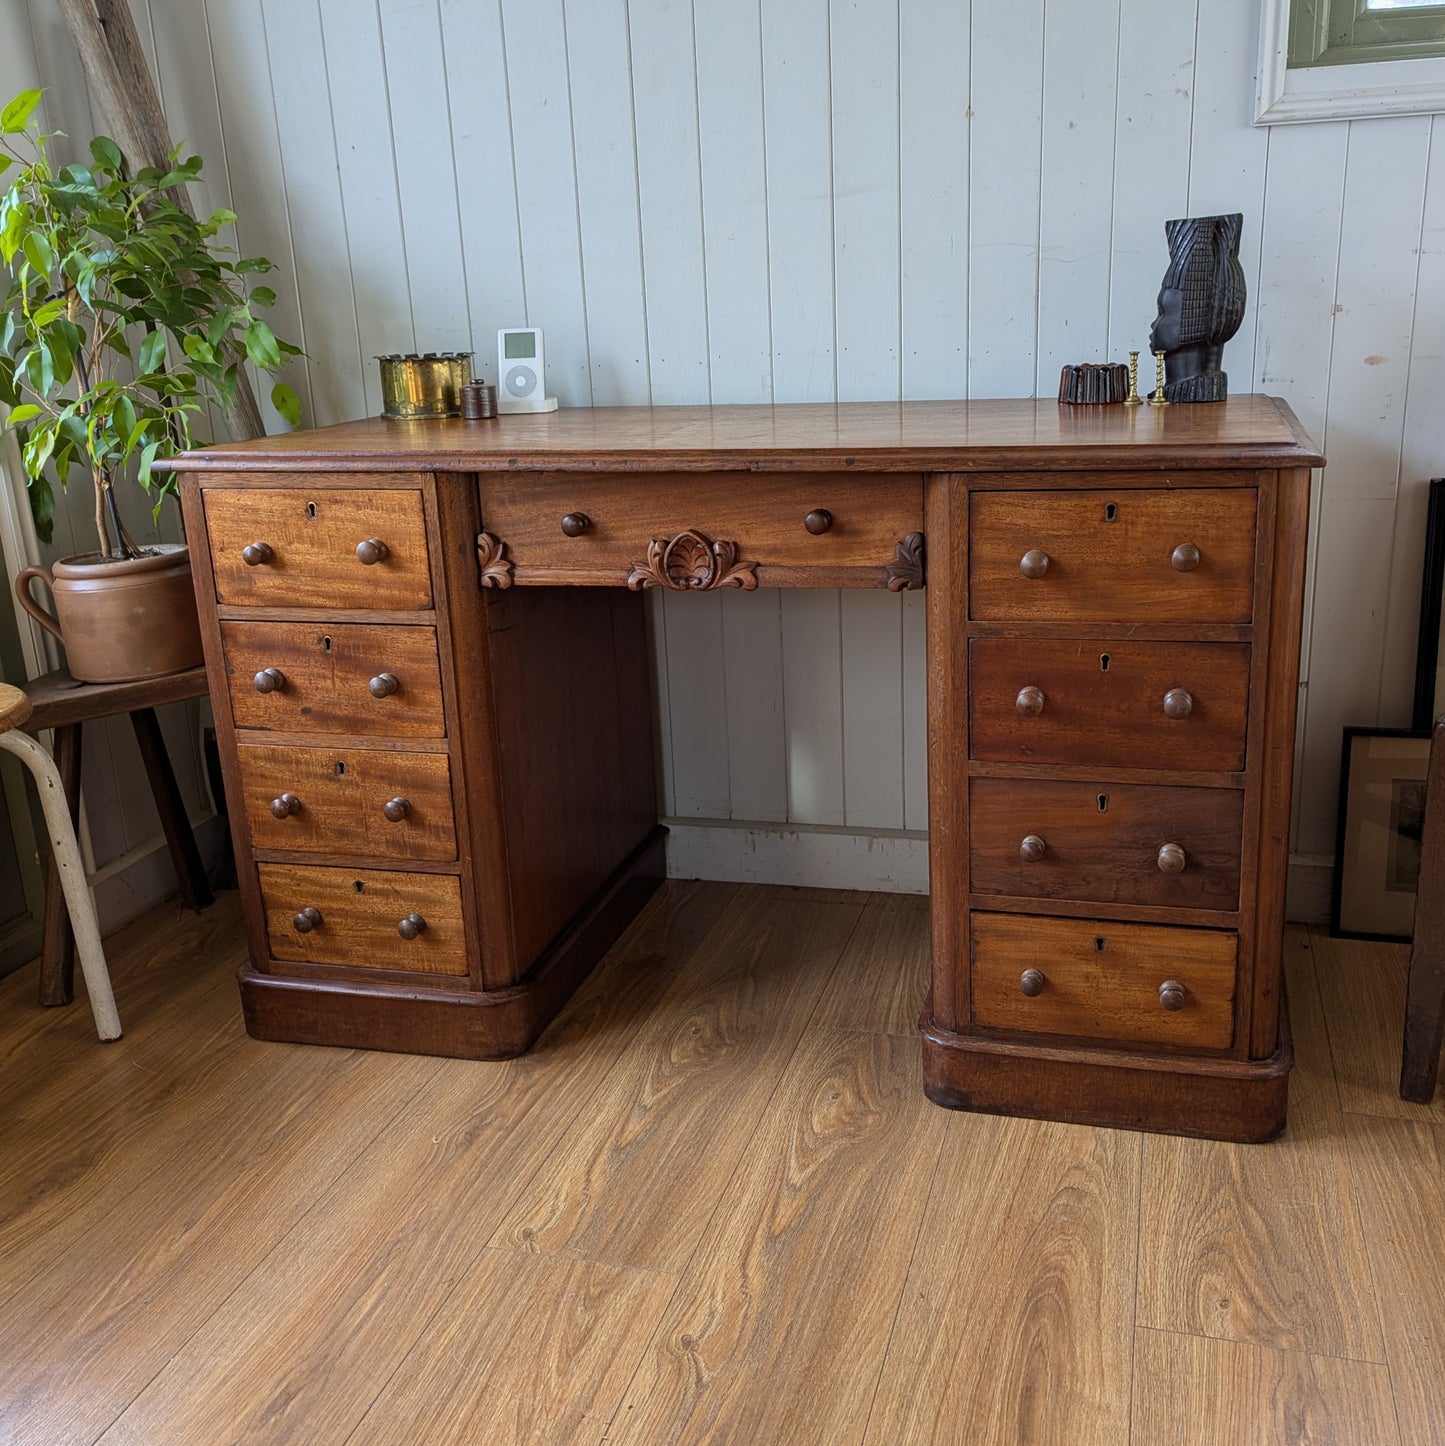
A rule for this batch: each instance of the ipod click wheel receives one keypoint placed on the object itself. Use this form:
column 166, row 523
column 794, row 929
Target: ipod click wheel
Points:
column 521, row 385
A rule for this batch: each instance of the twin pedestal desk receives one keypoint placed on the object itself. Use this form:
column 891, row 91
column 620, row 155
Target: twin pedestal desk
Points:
column 429, row 668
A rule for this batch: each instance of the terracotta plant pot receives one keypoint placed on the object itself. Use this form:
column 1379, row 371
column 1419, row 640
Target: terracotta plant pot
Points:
column 121, row 620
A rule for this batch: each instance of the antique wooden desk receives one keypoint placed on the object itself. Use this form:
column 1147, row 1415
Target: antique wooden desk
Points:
column 427, row 656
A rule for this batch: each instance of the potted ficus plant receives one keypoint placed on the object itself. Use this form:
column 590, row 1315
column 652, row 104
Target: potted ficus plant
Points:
column 123, row 316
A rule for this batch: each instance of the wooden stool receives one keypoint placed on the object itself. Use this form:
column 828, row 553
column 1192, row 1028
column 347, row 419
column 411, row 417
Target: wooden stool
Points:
column 67, row 868
column 1425, row 989
column 58, row 701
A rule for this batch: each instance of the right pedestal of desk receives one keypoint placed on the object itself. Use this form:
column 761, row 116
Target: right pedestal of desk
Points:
column 1113, row 671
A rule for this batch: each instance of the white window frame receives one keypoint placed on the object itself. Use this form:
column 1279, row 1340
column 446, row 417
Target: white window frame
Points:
column 1338, row 92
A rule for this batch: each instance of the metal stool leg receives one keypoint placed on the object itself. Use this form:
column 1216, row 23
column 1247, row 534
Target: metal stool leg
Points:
column 72, row 878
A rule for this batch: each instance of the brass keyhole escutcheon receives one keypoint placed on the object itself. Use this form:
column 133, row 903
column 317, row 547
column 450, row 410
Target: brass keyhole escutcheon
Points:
column 1100, row 943
column 311, row 509
column 1111, row 512
column 1104, row 661
column 1103, row 803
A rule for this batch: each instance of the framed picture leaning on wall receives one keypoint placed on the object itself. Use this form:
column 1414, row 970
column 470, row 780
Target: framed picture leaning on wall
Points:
column 1377, row 848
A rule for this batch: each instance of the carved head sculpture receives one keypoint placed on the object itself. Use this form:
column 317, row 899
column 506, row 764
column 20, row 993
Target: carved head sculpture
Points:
column 1201, row 304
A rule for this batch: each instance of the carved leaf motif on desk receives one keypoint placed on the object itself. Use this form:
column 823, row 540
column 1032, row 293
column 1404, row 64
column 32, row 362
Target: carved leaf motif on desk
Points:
column 691, row 562
column 492, row 559
column 905, row 572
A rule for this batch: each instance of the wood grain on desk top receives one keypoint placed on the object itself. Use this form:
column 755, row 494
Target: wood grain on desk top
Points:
column 897, row 436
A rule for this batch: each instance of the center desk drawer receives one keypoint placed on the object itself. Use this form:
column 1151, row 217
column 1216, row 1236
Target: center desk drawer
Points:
column 373, row 679
column 1099, row 556
column 824, row 529
column 378, row 802
column 371, row 918
column 1109, row 704
column 303, row 546
column 1107, row 843
column 1134, row 983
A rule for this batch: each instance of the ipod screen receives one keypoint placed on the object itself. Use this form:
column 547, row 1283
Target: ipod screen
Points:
column 520, row 344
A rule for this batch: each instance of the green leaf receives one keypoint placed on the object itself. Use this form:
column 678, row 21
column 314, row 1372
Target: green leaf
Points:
column 12, row 232
column 40, row 369
column 262, row 296
column 42, row 508
column 42, row 316
column 261, row 346
column 148, row 456
column 38, row 252
column 124, row 418
column 199, row 349
column 217, row 219
column 23, row 413
column 14, row 117
column 37, row 450
column 107, row 154
column 5, row 163
column 153, row 352
column 285, row 401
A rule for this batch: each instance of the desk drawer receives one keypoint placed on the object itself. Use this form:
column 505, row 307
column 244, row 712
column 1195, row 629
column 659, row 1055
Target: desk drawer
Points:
column 1133, row 983
column 1108, row 843
column 1109, row 704
column 357, row 917
column 859, row 520
column 372, row 802
column 298, row 546
column 307, row 677
column 1100, row 556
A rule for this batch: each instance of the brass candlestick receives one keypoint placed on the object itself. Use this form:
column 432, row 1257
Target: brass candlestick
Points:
column 1159, row 399
column 1133, row 399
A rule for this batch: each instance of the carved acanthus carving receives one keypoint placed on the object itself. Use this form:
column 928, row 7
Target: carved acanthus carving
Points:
column 905, row 572
column 493, row 560
column 691, row 562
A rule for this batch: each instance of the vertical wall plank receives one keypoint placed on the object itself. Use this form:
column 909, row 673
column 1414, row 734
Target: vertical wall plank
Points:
column 864, row 57
column 309, row 175
column 1081, row 59
column 697, row 704
column 1006, row 68
column 813, row 704
column 1154, row 109
column 366, row 164
column 603, row 135
column 734, row 202
column 664, row 68
column 752, row 626
column 411, row 42
column 872, row 632
column 933, row 128
column 1366, row 408
column 537, row 67
column 798, row 142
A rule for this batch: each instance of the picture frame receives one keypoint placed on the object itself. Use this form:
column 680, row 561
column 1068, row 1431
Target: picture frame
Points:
column 1377, row 846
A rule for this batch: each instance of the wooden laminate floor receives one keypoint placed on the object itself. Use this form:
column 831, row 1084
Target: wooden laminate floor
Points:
column 712, row 1205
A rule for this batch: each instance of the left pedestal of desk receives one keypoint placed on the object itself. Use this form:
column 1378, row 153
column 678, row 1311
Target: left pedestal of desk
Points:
column 441, row 787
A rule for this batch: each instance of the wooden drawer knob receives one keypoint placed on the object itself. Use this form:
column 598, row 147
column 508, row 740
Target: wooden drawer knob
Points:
column 411, row 927
column 269, row 680
column 307, row 920
column 1034, row 563
column 372, row 551
column 1032, row 849
column 1184, row 558
column 818, row 521
column 286, row 805
column 1030, row 701
column 1178, row 704
column 383, row 685
column 396, row 809
column 1031, row 982
column 255, row 554
column 1171, row 859
column 1171, row 995
column 574, row 524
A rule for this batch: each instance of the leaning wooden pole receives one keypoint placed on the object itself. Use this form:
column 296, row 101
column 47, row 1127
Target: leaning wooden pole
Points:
column 124, row 92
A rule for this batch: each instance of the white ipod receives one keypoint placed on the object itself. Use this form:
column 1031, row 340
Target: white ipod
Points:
column 521, row 385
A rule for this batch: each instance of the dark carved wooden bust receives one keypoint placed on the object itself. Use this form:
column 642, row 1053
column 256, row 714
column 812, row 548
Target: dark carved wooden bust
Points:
column 1201, row 304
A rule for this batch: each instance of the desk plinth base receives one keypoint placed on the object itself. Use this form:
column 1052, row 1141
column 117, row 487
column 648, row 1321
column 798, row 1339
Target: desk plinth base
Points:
column 1225, row 1099
column 485, row 1024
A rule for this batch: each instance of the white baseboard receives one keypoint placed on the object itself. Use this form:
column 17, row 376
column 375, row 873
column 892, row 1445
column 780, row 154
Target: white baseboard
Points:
column 808, row 855
column 886, row 861
column 143, row 877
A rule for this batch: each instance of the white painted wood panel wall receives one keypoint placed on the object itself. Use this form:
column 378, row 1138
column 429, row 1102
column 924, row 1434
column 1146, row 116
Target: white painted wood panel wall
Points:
column 804, row 200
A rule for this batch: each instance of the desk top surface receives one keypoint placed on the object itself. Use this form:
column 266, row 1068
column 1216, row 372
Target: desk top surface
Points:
column 868, row 436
